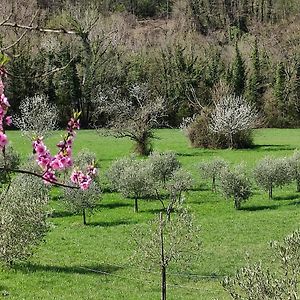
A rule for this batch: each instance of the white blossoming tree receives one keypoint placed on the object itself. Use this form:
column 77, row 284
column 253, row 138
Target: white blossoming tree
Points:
column 232, row 116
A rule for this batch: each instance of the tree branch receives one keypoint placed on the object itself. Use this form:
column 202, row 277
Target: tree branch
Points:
column 38, row 175
column 40, row 29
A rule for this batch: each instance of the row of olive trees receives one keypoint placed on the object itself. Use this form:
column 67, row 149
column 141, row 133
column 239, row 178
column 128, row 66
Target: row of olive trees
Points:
column 236, row 182
column 152, row 178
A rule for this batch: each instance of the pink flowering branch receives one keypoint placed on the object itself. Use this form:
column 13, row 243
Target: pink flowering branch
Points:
column 48, row 163
column 40, row 176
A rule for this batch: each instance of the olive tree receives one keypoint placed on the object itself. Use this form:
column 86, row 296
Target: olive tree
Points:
column 133, row 116
column 272, row 172
column 23, row 218
column 232, row 116
column 295, row 168
column 78, row 200
column 115, row 172
column 278, row 282
column 179, row 182
column 163, row 165
column 235, row 184
column 163, row 242
column 211, row 170
column 132, row 178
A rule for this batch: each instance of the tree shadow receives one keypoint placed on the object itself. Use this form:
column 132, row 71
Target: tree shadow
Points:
column 101, row 269
column 61, row 214
column 286, row 197
column 204, row 153
column 113, row 205
column 154, row 210
column 273, row 147
column 258, row 208
column 112, row 223
column 295, row 203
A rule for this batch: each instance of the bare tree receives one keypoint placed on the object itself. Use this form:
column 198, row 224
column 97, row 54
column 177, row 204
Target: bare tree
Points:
column 134, row 116
column 232, row 115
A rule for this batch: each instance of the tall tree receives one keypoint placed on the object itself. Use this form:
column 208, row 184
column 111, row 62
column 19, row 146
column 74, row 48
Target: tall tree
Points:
column 238, row 79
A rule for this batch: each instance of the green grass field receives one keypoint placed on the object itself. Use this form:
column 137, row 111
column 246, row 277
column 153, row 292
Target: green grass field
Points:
column 93, row 262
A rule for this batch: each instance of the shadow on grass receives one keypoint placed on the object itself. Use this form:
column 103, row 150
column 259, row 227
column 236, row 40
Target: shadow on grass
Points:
column 61, row 214
column 257, row 208
column 114, row 205
column 204, row 153
column 112, row 223
column 101, row 269
column 272, row 147
column 287, row 197
column 295, row 203
column 153, row 210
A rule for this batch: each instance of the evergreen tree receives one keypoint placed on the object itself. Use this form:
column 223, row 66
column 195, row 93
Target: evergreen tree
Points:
column 238, row 79
column 279, row 86
column 255, row 81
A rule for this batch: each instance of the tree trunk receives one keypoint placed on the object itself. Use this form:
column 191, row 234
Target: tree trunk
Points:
column 84, row 216
column 237, row 203
column 271, row 192
column 163, row 265
column 163, row 283
column 136, row 208
column 213, row 188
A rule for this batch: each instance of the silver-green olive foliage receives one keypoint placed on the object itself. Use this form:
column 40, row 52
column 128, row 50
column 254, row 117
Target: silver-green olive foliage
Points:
column 23, row 218
column 278, row 282
column 295, row 168
column 163, row 164
column 272, row 172
column 211, row 170
column 235, row 184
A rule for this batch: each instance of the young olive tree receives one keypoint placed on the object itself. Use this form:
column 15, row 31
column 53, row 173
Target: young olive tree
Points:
column 115, row 172
column 37, row 116
column 273, row 283
column 163, row 165
column 132, row 178
column 272, row 172
column 133, row 116
column 179, row 182
column 23, row 218
column 164, row 242
column 295, row 168
column 80, row 200
column 211, row 170
column 231, row 117
column 235, row 184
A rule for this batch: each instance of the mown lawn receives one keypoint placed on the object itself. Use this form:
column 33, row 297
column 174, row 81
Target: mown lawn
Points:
column 93, row 262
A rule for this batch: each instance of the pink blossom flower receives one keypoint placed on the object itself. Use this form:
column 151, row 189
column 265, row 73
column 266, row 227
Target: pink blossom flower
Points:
column 8, row 120
column 4, row 101
column 3, row 140
column 1, row 87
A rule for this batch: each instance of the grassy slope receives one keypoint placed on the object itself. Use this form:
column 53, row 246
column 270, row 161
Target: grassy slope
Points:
column 61, row 268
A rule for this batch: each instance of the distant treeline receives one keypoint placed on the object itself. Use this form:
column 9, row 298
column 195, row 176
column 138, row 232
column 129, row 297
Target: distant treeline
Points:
column 191, row 52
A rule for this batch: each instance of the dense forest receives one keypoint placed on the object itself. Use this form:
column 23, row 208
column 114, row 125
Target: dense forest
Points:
column 190, row 52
